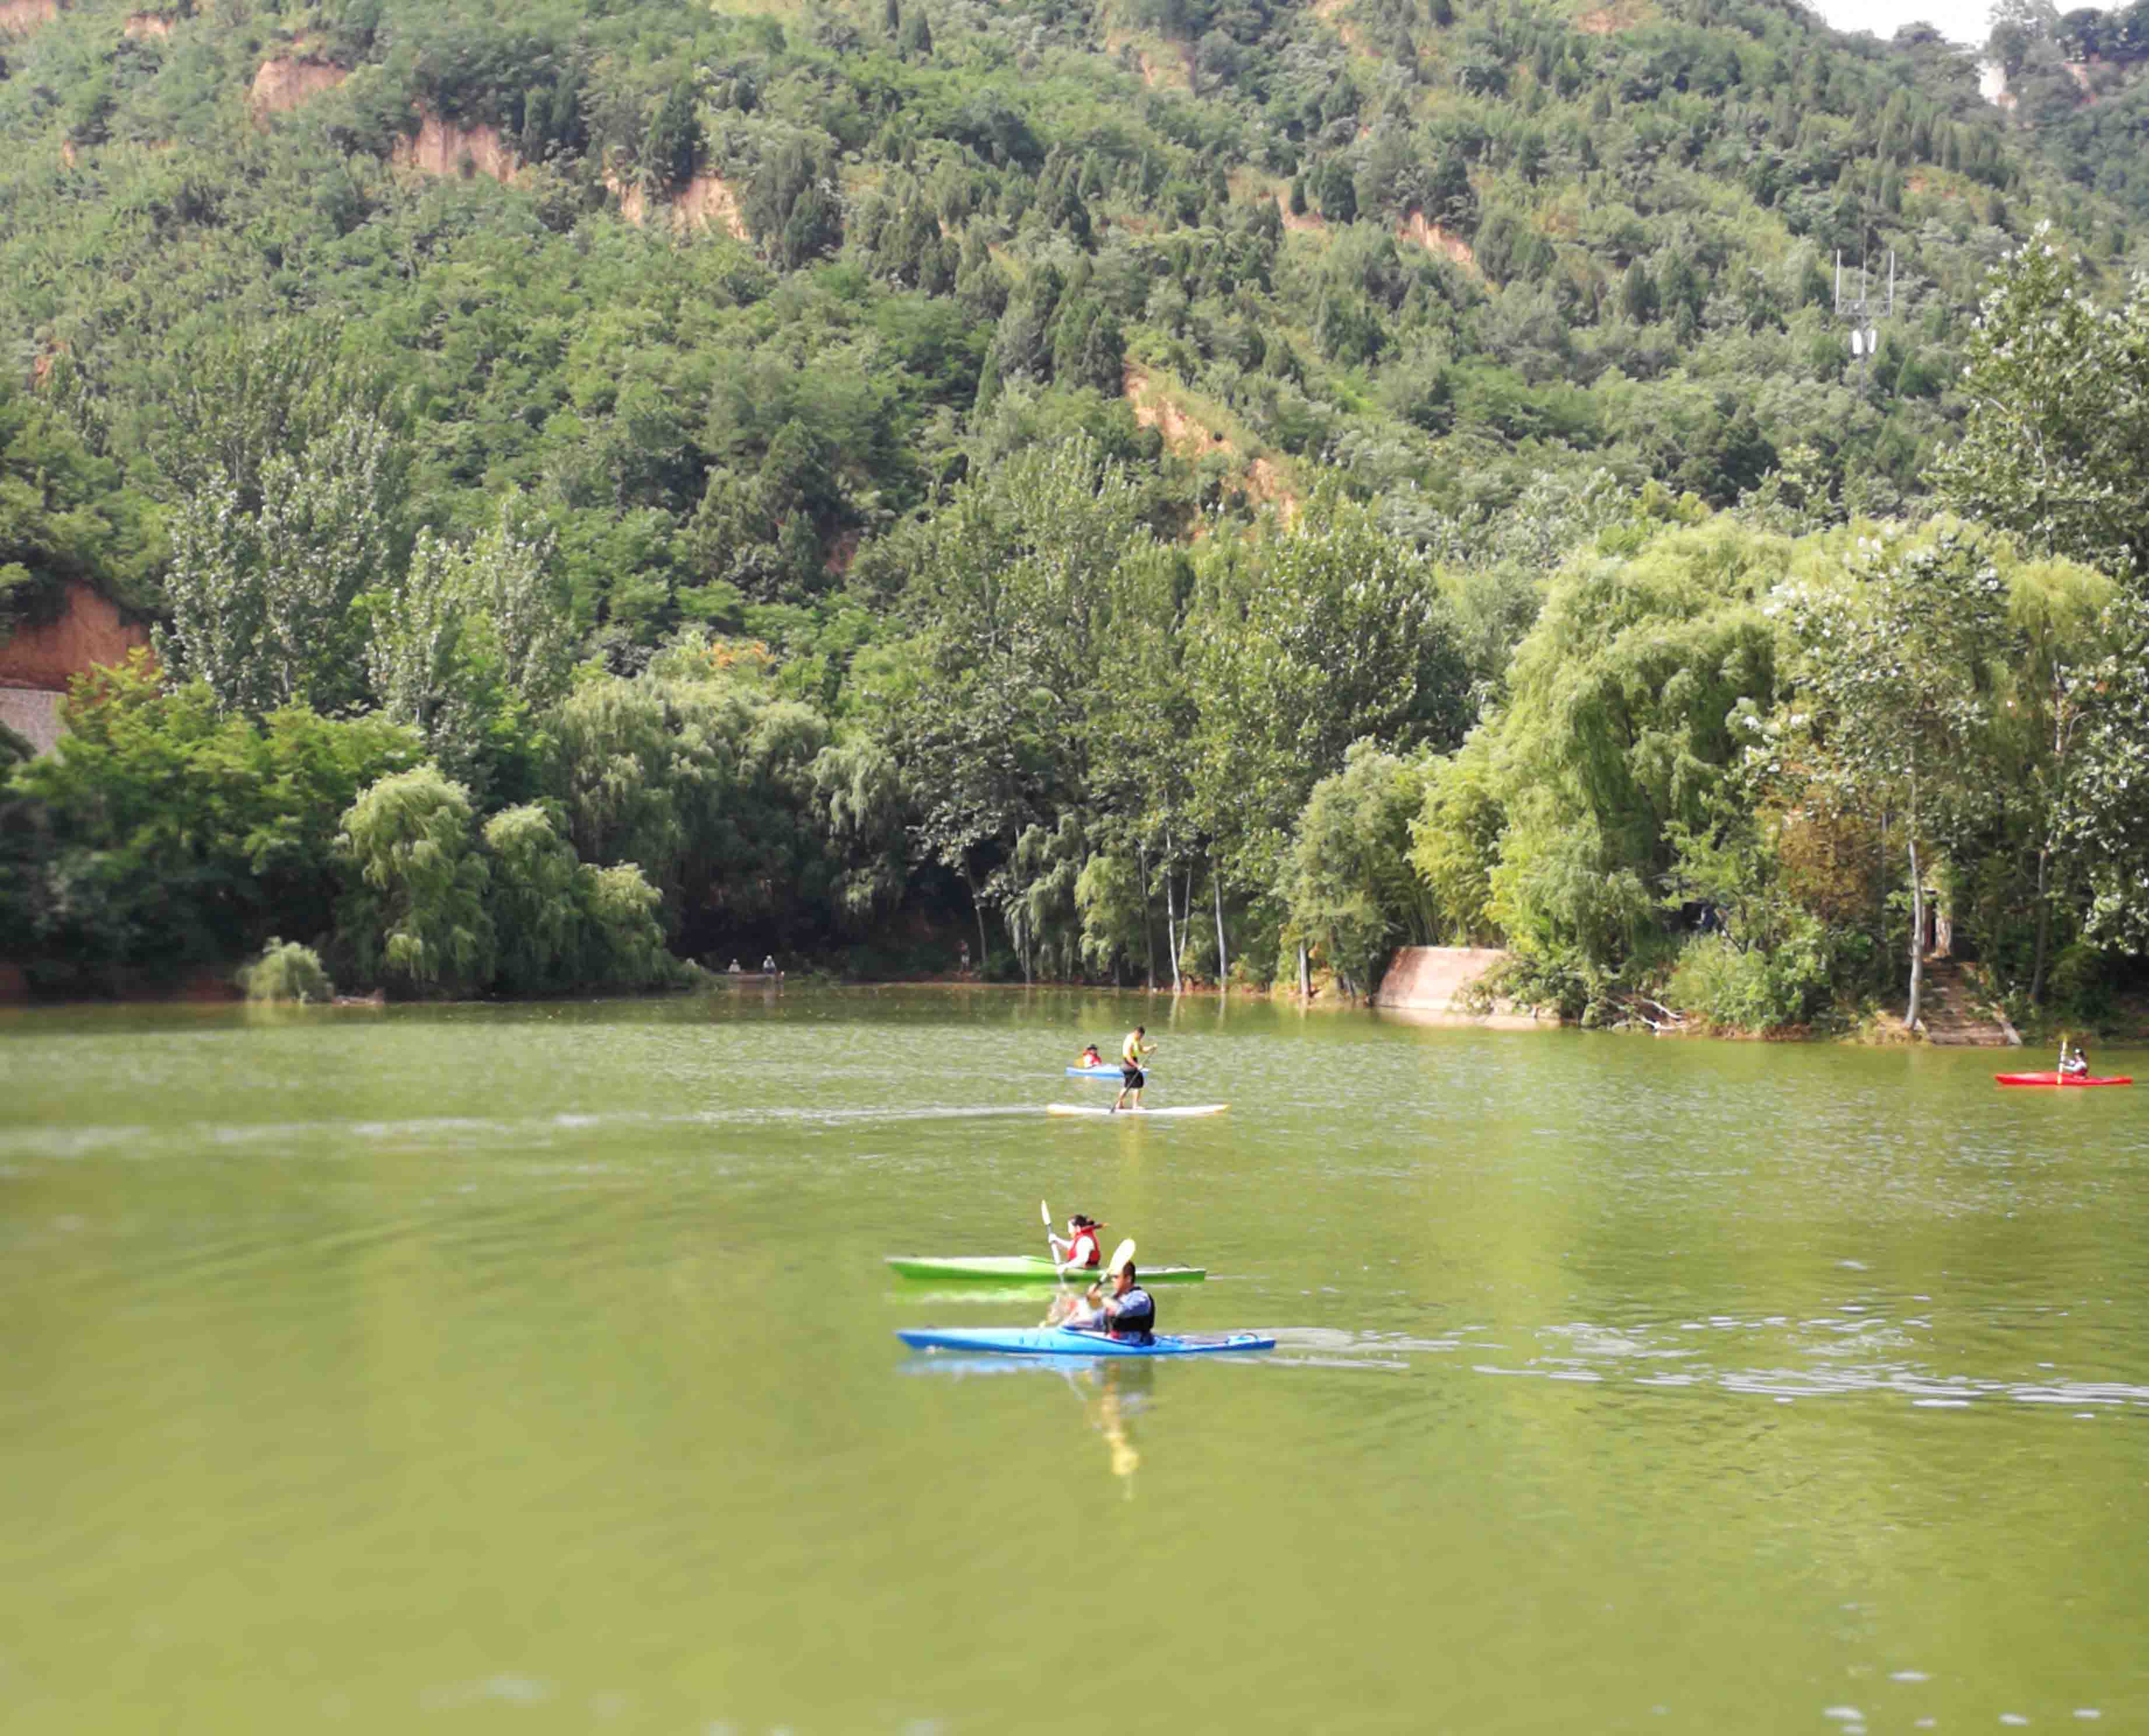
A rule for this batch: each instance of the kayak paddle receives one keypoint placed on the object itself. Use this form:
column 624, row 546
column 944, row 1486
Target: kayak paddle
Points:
column 1122, row 1255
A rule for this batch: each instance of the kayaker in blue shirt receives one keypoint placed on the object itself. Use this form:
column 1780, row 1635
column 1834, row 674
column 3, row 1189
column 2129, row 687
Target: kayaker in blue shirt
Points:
column 1129, row 1312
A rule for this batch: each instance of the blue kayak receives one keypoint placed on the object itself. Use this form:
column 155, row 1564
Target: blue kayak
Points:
column 1059, row 1341
column 1104, row 1069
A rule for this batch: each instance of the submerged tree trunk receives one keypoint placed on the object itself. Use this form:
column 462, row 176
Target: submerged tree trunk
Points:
column 1305, row 974
column 1223, row 960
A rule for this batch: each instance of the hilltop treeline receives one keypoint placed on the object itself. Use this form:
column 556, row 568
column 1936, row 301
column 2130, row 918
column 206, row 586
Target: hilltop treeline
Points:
column 767, row 480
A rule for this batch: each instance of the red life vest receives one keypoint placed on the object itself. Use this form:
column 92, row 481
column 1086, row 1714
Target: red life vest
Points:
column 1083, row 1250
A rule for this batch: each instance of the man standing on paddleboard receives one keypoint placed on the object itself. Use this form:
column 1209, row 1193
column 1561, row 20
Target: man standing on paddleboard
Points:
column 1131, row 1076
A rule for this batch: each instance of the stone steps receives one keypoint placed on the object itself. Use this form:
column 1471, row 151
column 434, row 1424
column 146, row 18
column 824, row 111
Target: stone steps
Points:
column 1948, row 1014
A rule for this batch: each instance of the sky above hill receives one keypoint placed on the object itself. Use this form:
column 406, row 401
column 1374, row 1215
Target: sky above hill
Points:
column 1961, row 21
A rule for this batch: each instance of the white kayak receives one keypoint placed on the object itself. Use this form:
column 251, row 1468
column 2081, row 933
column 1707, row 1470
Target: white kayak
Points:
column 1091, row 1109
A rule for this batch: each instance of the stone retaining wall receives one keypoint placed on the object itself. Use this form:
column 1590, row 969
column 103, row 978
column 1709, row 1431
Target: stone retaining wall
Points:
column 1425, row 984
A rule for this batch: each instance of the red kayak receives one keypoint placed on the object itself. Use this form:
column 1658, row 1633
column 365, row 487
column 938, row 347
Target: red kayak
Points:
column 2056, row 1079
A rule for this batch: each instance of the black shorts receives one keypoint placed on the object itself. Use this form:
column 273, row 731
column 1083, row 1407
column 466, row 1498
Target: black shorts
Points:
column 1132, row 1079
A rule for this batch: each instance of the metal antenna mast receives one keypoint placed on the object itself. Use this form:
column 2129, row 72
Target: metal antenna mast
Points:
column 1860, row 311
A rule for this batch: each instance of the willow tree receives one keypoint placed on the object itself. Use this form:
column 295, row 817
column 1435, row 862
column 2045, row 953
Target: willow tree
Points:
column 418, row 913
column 1618, row 726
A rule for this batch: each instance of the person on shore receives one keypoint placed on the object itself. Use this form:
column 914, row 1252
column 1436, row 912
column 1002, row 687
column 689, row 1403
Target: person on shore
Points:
column 731, row 968
column 1128, row 1314
column 2074, row 1063
column 1132, row 1079
column 769, row 965
column 1090, row 1058
column 1079, row 1250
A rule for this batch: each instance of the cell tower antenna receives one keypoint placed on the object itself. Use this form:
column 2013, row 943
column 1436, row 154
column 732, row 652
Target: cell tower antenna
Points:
column 1860, row 312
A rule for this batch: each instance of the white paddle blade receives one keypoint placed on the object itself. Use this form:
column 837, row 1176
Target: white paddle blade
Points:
column 1044, row 1211
column 1123, row 1255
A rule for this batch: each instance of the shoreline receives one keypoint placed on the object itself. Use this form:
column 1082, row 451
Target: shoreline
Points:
column 208, row 991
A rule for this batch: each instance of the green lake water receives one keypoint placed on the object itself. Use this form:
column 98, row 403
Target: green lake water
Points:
column 532, row 1368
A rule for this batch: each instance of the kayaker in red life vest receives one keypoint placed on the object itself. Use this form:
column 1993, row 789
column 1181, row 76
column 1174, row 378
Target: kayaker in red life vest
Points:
column 2073, row 1064
column 1090, row 1058
column 1080, row 1248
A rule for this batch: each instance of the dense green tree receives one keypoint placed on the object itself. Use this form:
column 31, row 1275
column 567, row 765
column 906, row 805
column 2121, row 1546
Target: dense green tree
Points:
column 672, row 147
column 169, row 832
column 64, row 516
column 260, row 598
column 2058, row 430
column 562, row 924
column 470, row 648
column 1618, row 722
column 2102, row 813
column 704, row 780
column 1350, row 890
column 1892, row 696
column 1300, row 643
column 416, row 916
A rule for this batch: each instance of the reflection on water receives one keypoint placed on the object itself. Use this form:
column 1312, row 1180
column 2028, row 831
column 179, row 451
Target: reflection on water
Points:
column 533, row 1365
column 1113, row 1392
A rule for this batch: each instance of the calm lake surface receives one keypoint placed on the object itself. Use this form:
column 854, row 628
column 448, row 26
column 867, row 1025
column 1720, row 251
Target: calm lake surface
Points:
column 531, row 1368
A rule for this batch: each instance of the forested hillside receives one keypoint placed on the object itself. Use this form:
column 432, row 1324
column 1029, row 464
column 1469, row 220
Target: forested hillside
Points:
column 2075, row 79
column 1119, row 475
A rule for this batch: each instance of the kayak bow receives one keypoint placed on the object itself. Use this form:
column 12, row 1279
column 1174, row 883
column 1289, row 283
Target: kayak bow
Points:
column 1029, row 1269
column 1059, row 1341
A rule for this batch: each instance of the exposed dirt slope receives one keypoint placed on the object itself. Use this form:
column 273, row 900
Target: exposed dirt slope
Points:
column 286, row 82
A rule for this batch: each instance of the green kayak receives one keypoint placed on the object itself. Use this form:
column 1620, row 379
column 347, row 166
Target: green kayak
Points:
column 1031, row 1269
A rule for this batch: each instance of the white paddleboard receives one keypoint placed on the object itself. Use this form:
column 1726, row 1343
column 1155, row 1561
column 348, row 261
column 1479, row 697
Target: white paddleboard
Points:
column 1089, row 1109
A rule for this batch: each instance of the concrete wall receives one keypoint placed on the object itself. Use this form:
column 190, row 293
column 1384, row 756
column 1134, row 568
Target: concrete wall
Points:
column 33, row 713
column 1423, row 983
